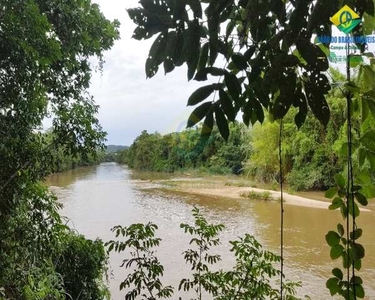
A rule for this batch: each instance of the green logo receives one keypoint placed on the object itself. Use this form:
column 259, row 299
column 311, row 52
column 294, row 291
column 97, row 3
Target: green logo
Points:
column 346, row 19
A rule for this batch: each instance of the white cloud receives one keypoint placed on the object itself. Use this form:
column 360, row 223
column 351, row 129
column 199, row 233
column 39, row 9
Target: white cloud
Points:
column 128, row 102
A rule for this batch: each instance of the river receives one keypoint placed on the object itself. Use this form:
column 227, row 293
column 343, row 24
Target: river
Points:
column 97, row 198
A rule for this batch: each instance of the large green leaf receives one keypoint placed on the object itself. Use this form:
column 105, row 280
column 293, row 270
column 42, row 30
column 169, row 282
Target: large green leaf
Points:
column 203, row 57
column 240, row 61
column 336, row 203
column 227, row 105
column 338, row 273
column 358, row 251
column 199, row 113
column 169, row 63
column 156, row 55
column 333, row 285
column 340, row 181
column 331, row 192
column 202, row 73
column 332, row 238
column 313, row 55
column 361, row 199
column 233, row 86
column 208, row 124
column 222, row 123
column 192, row 47
column 336, row 251
column 368, row 140
column 202, row 93
column 356, row 234
column 318, row 104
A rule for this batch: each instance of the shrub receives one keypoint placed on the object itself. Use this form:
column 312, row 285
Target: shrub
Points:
column 251, row 277
column 266, row 195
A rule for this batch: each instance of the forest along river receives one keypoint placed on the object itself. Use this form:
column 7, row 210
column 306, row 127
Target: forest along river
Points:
column 97, row 198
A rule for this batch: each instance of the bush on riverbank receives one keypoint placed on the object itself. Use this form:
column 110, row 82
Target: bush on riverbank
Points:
column 252, row 276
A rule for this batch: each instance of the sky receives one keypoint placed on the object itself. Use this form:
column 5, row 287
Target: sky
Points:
column 130, row 103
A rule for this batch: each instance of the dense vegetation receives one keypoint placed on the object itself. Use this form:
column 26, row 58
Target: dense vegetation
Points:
column 312, row 154
column 271, row 65
column 186, row 150
column 45, row 70
column 274, row 64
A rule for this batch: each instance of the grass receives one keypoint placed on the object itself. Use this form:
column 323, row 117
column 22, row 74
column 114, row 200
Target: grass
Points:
column 241, row 184
column 266, row 195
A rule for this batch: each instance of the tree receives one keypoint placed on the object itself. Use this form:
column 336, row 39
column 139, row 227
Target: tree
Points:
column 45, row 47
column 270, row 63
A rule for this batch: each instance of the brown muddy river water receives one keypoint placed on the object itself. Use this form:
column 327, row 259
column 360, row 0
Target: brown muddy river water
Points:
column 97, row 198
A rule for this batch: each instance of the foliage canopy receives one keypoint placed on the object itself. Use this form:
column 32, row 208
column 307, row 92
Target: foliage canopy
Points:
column 261, row 51
column 45, row 47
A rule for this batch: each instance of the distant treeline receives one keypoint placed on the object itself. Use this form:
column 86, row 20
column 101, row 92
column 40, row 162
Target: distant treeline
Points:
column 187, row 150
column 311, row 154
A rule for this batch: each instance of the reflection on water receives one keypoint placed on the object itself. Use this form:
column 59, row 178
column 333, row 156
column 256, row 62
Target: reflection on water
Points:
column 97, row 198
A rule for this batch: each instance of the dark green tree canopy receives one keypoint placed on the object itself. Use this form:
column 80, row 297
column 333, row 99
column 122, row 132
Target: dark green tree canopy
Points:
column 261, row 52
column 45, row 48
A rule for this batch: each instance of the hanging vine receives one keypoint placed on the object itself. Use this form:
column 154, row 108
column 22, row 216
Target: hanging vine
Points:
column 346, row 196
column 281, row 210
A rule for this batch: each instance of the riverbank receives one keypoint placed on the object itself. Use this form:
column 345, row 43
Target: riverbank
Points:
column 232, row 188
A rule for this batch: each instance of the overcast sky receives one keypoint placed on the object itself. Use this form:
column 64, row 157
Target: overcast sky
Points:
column 128, row 102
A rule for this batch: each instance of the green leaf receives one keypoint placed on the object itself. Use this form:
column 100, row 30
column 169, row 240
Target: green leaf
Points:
column 338, row 273
column 332, row 238
column 198, row 114
column 355, row 60
column 222, row 123
column 336, row 251
column 233, row 86
column 330, row 193
column 192, row 47
column 202, row 93
column 340, row 229
column 203, row 57
column 333, row 285
column 156, row 55
column 361, row 199
column 368, row 76
column 340, row 181
column 312, row 54
column 343, row 210
column 356, row 234
column 318, row 105
column 358, row 264
column 336, row 203
column 360, row 292
column 300, row 117
column 353, row 209
column 368, row 140
column 240, row 61
column 168, row 65
column 358, row 251
column 227, row 105
column 202, row 73
column 208, row 124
